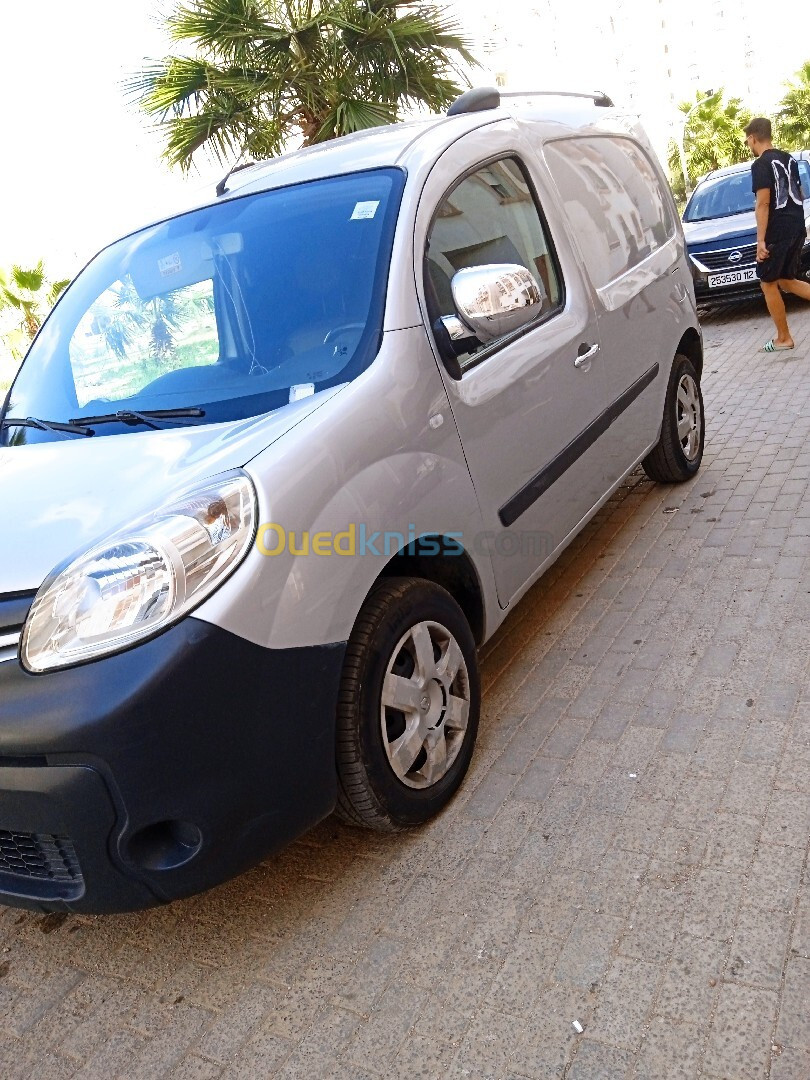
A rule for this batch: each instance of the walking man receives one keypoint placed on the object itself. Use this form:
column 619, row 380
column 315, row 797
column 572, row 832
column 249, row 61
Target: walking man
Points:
column 781, row 230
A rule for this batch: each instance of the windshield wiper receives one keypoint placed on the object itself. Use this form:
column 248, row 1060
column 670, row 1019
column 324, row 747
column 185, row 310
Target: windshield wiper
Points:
column 133, row 416
column 72, row 427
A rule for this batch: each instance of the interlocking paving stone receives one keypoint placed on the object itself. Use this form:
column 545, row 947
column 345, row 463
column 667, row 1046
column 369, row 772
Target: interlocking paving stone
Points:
column 595, row 1061
column 586, row 954
column 759, row 947
column 625, row 1001
column 689, row 988
column 669, row 1050
column 794, row 1019
column 630, row 850
column 790, row 1063
column 730, row 1051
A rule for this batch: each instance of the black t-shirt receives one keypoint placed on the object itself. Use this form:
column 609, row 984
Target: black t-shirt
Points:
column 778, row 171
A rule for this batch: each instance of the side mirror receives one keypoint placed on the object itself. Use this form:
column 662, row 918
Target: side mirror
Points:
column 495, row 300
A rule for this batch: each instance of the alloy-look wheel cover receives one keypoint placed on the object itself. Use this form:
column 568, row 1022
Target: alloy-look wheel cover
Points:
column 426, row 688
column 688, row 417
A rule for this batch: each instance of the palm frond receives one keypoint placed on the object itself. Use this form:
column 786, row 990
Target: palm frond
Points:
column 353, row 115
column 56, row 290
column 262, row 70
column 10, row 299
column 793, row 117
column 28, row 280
column 25, row 293
column 712, row 137
column 225, row 27
column 186, row 134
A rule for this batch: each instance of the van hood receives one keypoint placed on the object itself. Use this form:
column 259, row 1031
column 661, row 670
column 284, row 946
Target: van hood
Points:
column 61, row 497
column 727, row 228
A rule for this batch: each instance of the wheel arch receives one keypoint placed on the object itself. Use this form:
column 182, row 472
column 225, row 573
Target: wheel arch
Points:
column 691, row 346
column 452, row 569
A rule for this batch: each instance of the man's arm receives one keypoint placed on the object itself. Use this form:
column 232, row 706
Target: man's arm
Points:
column 762, row 211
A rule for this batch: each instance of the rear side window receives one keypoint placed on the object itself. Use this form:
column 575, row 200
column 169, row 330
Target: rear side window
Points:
column 490, row 217
column 614, row 200
column 804, row 176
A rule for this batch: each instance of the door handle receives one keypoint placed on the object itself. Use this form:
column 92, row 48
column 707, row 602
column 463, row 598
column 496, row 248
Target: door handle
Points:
column 589, row 353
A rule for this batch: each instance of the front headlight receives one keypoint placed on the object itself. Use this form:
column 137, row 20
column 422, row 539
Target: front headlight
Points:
column 142, row 578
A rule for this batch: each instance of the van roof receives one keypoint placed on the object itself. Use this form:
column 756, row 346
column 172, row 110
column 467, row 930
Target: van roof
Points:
column 405, row 143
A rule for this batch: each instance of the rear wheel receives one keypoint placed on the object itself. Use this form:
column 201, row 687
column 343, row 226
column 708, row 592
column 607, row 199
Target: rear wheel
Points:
column 408, row 707
column 678, row 453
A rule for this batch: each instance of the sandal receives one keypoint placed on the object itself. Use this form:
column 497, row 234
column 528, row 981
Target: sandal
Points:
column 771, row 346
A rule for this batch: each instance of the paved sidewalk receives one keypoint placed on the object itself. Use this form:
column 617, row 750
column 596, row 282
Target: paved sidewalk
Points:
column 629, row 851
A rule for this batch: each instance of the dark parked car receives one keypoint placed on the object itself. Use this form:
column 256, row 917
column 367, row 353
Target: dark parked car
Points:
column 721, row 232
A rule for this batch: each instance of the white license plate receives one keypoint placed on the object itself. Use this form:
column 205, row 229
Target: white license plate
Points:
column 732, row 278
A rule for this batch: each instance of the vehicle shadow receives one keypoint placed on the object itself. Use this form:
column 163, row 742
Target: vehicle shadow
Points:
column 735, row 311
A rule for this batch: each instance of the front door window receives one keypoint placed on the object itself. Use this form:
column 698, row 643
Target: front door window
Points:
column 490, row 217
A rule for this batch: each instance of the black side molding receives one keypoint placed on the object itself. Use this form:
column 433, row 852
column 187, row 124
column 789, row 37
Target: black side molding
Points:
column 531, row 492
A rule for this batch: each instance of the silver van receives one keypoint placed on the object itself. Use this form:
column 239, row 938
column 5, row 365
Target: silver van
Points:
column 276, row 466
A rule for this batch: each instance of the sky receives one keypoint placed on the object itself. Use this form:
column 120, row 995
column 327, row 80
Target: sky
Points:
column 81, row 167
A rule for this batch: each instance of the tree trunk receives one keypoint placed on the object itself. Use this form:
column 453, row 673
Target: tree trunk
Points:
column 310, row 125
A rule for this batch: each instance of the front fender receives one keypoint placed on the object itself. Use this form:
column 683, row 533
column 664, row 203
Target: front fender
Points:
column 382, row 457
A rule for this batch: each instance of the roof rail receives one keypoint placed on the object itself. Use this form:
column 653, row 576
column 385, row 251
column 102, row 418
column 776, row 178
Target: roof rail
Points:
column 478, row 99
column 483, row 98
column 598, row 97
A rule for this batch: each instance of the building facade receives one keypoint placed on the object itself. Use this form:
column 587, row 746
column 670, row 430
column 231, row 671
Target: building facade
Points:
column 648, row 55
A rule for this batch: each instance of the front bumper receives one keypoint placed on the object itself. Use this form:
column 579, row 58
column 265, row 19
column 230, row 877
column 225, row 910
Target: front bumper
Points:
column 738, row 291
column 161, row 771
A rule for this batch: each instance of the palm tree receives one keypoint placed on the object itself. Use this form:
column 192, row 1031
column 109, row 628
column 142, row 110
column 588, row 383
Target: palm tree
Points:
column 263, row 71
column 793, row 118
column 712, row 138
column 26, row 297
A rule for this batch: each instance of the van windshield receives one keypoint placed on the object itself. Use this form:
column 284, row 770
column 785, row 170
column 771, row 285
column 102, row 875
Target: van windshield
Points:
column 222, row 313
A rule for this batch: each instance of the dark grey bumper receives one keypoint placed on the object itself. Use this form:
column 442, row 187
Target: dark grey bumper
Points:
column 163, row 770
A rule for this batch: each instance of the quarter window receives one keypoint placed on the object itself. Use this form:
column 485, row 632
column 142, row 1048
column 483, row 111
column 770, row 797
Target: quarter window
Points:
column 490, row 217
column 614, row 200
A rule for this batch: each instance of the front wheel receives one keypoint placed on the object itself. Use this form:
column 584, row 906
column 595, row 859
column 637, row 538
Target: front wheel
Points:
column 408, row 707
column 678, row 453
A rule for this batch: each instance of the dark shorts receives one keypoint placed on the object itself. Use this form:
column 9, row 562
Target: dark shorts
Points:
column 783, row 259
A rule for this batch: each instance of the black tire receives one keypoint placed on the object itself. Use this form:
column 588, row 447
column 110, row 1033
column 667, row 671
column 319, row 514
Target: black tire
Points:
column 674, row 459
column 370, row 792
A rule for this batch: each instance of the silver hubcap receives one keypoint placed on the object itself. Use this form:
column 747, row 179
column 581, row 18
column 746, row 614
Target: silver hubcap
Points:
column 425, row 705
column 688, row 418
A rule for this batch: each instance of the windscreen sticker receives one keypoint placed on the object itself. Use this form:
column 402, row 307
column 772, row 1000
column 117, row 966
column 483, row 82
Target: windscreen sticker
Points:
column 301, row 390
column 363, row 211
column 170, row 265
